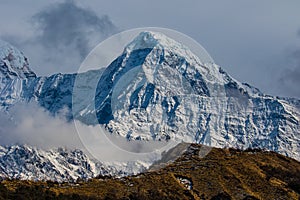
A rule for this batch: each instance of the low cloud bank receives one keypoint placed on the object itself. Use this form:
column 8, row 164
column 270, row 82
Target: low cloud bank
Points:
column 32, row 125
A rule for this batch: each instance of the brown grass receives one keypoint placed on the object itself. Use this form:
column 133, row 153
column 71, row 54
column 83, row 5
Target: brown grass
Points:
column 222, row 174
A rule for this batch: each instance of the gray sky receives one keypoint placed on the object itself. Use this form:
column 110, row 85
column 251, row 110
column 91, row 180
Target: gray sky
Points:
column 255, row 41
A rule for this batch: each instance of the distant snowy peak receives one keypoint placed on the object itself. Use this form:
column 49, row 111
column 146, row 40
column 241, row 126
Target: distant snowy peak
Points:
column 14, row 74
column 31, row 163
column 13, row 63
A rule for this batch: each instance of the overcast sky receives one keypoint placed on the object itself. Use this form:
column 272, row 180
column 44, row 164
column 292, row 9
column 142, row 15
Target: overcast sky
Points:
column 255, row 41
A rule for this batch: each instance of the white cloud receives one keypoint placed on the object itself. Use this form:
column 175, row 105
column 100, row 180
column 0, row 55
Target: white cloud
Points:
column 32, row 125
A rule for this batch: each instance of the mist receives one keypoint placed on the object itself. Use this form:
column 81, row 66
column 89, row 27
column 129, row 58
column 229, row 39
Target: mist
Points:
column 30, row 124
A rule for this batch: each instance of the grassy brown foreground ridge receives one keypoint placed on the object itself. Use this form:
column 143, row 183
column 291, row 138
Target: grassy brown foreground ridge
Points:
column 221, row 174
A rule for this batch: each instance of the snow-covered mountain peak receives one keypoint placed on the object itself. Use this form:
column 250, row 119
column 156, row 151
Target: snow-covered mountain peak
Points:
column 13, row 63
column 159, row 41
column 155, row 51
column 156, row 90
column 143, row 41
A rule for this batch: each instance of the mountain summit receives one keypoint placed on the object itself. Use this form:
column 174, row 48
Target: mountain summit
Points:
column 158, row 89
column 13, row 63
column 14, row 69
